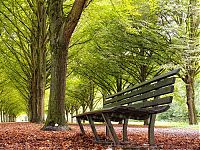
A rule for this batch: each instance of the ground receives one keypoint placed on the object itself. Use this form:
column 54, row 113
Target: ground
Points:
column 28, row 136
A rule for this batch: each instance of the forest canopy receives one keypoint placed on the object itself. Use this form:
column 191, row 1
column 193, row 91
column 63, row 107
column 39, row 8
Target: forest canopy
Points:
column 82, row 51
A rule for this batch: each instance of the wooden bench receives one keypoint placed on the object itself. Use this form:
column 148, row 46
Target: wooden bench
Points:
column 139, row 102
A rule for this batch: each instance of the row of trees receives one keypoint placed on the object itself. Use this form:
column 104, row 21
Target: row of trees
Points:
column 116, row 45
column 122, row 47
column 28, row 38
column 11, row 104
column 26, row 59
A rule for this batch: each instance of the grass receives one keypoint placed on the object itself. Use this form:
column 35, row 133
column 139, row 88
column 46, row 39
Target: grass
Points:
column 169, row 124
column 177, row 125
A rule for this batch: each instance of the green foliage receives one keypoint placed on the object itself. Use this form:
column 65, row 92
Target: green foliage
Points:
column 11, row 103
column 15, row 43
column 128, row 40
column 119, row 42
column 80, row 92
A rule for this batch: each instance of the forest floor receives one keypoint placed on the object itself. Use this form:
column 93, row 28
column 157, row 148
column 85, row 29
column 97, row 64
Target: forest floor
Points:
column 28, row 136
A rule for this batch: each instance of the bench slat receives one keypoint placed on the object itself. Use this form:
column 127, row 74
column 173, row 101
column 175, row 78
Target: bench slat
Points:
column 161, row 91
column 171, row 73
column 155, row 102
column 147, row 88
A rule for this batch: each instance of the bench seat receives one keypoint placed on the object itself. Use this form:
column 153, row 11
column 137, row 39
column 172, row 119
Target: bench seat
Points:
column 121, row 112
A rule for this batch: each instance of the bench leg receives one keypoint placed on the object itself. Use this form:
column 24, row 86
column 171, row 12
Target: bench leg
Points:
column 125, row 124
column 93, row 128
column 151, row 129
column 80, row 125
column 110, row 129
column 107, row 132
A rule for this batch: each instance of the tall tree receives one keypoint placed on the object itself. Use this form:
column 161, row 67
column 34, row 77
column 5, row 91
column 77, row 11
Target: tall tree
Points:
column 25, row 40
column 182, row 20
column 192, row 66
column 39, row 39
column 61, row 30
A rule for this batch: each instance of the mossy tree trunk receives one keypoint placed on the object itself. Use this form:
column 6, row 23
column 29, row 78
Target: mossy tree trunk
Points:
column 61, row 29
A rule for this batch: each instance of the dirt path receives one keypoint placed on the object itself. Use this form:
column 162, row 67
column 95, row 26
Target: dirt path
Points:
column 27, row 136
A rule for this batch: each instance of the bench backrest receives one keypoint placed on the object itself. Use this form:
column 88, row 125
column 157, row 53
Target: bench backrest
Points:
column 150, row 93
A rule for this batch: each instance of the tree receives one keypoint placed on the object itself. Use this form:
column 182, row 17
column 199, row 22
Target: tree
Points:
column 25, row 39
column 182, row 19
column 122, row 44
column 192, row 67
column 61, row 30
column 11, row 103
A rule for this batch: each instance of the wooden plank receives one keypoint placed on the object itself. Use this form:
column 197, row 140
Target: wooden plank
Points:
column 158, row 109
column 111, row 129
column 151, row 129
column 156, row 102
column 168, row 74
column 125, row 126
column 107, row 132
column 80, row 125
column 147, row 88
column 162, row 91
column 93, row 127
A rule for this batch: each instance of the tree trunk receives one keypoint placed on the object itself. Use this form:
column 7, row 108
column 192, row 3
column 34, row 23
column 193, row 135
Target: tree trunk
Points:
column 1, row 114
column 33, row 99
column 119, row 88
column 143, row 77
column 41, row 82
column 190, row 100
column 61, row 29
column 38, row 57
column 191, row 64
column 71, row 115
column 91, row 96
column 67, row 115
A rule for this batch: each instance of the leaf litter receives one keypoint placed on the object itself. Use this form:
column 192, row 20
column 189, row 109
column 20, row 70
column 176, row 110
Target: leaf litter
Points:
column 28, row 136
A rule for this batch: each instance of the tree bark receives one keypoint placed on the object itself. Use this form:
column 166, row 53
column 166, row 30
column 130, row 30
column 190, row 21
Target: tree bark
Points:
column 91, row 95
column 143, row 77
column 42, row 52
column 189, row 80
column 61, row 29
column 38, row 64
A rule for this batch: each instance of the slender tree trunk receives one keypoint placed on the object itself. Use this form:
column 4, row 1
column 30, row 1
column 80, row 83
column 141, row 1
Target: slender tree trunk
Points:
column 71, row 114
column 91, row 96
column 119, row 83
column 119, row 88
column 76, row 110
column 67, row 116
column 190, row 100
column 4, row 116
column 143, row 77
column 1, row 114
column 191, row 65
column 61, row 29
